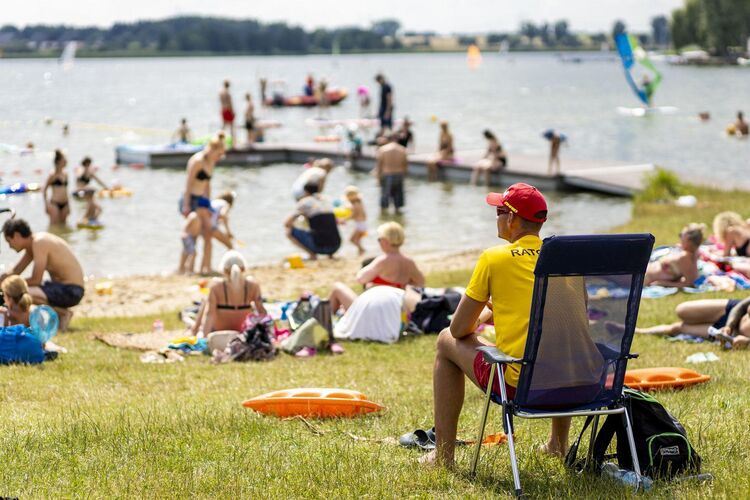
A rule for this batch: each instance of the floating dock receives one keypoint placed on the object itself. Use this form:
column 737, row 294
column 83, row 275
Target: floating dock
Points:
column 606, row 177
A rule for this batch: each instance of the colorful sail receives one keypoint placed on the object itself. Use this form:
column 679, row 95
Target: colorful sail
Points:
column 630, row 53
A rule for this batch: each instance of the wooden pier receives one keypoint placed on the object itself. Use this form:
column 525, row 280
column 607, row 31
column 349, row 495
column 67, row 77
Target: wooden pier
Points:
column 606, row 177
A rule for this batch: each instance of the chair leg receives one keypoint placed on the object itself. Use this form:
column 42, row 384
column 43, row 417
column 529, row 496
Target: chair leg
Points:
column 483, row 423
column 508, row 424
column 631, row 443
column 590, row 452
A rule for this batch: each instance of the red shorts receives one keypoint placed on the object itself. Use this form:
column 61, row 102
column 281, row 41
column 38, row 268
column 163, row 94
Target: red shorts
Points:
column 227, row 115
column 482, row 374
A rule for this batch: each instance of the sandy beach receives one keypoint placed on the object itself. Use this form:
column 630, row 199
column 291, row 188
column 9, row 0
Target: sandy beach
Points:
column 143, row 295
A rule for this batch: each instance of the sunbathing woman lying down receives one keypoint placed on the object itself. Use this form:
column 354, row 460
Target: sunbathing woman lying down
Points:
column 730, row 317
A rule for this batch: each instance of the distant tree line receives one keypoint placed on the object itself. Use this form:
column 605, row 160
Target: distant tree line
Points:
column 720, row 26
column 201, row 34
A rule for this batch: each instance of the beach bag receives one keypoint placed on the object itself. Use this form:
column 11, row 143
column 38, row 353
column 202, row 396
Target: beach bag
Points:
column 254, row 344
column 661, row 442
column 19, row 345
column 310, row 334
column 431, row 314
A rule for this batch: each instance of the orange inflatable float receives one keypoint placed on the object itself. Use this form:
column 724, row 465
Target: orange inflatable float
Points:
column 646, row 379
column 313, row 402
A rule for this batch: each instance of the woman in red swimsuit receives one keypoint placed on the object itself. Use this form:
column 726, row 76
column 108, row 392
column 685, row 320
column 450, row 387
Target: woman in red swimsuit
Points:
column 392, row 268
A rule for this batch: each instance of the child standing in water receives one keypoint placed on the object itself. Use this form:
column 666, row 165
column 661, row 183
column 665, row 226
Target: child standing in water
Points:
column 191, row 229
column 359, row 217
column 93, row 210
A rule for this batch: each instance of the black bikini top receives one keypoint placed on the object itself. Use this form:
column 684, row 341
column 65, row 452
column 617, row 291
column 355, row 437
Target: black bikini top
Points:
column 202, row 175
column 240, row 307
column 59, row 182
column 84, row 179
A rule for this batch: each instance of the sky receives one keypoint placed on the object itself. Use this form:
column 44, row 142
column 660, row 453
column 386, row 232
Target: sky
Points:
column 442, row 16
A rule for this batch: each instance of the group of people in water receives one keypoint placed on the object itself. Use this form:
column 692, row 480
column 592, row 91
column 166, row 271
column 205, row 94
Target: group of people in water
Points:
column 56, row 195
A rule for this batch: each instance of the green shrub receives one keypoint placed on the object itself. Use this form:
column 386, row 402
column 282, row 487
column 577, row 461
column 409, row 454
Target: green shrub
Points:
column 661, row 185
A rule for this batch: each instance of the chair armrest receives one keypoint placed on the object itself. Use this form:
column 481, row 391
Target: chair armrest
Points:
column 492, row 354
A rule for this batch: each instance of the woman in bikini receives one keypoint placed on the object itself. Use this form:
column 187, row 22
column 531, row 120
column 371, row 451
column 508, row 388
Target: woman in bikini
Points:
column 678, row 269
column 732, row 232
column 392, row 268
column 230, row 299
column 84, row 176
column 197, row 195
column 57, row 204
column 444, row 154
column 493, row 161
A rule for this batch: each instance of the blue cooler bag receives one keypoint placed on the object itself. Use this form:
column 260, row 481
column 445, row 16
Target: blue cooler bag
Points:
column 18, row 345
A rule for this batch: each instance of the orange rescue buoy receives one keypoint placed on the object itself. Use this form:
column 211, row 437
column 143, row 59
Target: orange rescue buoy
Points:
column 313, row 402
column 645, row 379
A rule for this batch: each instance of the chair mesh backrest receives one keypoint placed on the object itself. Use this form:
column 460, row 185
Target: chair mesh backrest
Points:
column 584, row 309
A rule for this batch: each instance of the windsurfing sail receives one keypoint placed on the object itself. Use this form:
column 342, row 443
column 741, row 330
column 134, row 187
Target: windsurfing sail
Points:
column 68, row 55
column 630, row 53
column 473, row 56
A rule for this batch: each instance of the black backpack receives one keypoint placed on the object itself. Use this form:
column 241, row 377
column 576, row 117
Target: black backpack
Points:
column 660, row 441
column 431, row 313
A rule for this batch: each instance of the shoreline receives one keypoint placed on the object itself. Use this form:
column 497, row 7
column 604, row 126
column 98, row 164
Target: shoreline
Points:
column 141, row 295
column 147, row 55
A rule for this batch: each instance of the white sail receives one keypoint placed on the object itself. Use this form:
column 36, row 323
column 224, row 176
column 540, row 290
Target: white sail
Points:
column 68, row 55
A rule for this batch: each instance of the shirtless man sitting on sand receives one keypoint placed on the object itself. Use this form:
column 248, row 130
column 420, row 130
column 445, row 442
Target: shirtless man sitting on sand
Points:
column 48, row 253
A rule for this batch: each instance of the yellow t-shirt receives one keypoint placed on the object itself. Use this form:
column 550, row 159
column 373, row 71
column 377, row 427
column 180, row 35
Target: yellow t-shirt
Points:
column 505, row 273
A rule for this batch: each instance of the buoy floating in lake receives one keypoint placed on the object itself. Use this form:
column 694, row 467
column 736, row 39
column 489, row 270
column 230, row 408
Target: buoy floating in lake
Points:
column 313, row 402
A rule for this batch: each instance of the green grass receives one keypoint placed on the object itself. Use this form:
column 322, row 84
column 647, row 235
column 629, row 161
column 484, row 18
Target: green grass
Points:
column 98, row 423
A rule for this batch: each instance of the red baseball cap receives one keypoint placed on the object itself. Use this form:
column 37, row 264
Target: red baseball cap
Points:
column 523, row 200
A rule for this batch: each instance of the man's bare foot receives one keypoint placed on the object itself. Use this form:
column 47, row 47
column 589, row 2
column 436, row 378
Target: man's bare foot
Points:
column 554, row 451
column 430, row 459
column 64, row 315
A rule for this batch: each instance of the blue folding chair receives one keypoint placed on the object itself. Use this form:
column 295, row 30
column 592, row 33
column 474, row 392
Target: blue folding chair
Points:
column 587, row 291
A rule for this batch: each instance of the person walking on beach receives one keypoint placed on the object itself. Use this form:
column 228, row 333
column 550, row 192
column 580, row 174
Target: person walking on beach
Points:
column 227, row 111
column 51, row 254
column 500, row 288
column 391, row 167
column 385, row 110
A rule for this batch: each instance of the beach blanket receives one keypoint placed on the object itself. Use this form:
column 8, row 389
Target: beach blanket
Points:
column 716, row 274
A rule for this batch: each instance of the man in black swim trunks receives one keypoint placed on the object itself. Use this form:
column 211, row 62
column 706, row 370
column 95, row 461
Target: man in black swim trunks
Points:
column 51, row 254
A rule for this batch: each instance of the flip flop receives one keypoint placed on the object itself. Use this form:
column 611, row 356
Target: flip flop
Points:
column 336, row 348
column 305, row 352
column 417, row 439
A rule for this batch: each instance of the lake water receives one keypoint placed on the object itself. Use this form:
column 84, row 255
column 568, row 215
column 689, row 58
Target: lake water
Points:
column 129, row 101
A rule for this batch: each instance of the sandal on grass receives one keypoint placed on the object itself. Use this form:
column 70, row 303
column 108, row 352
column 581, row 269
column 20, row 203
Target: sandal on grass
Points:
column 422, row 439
